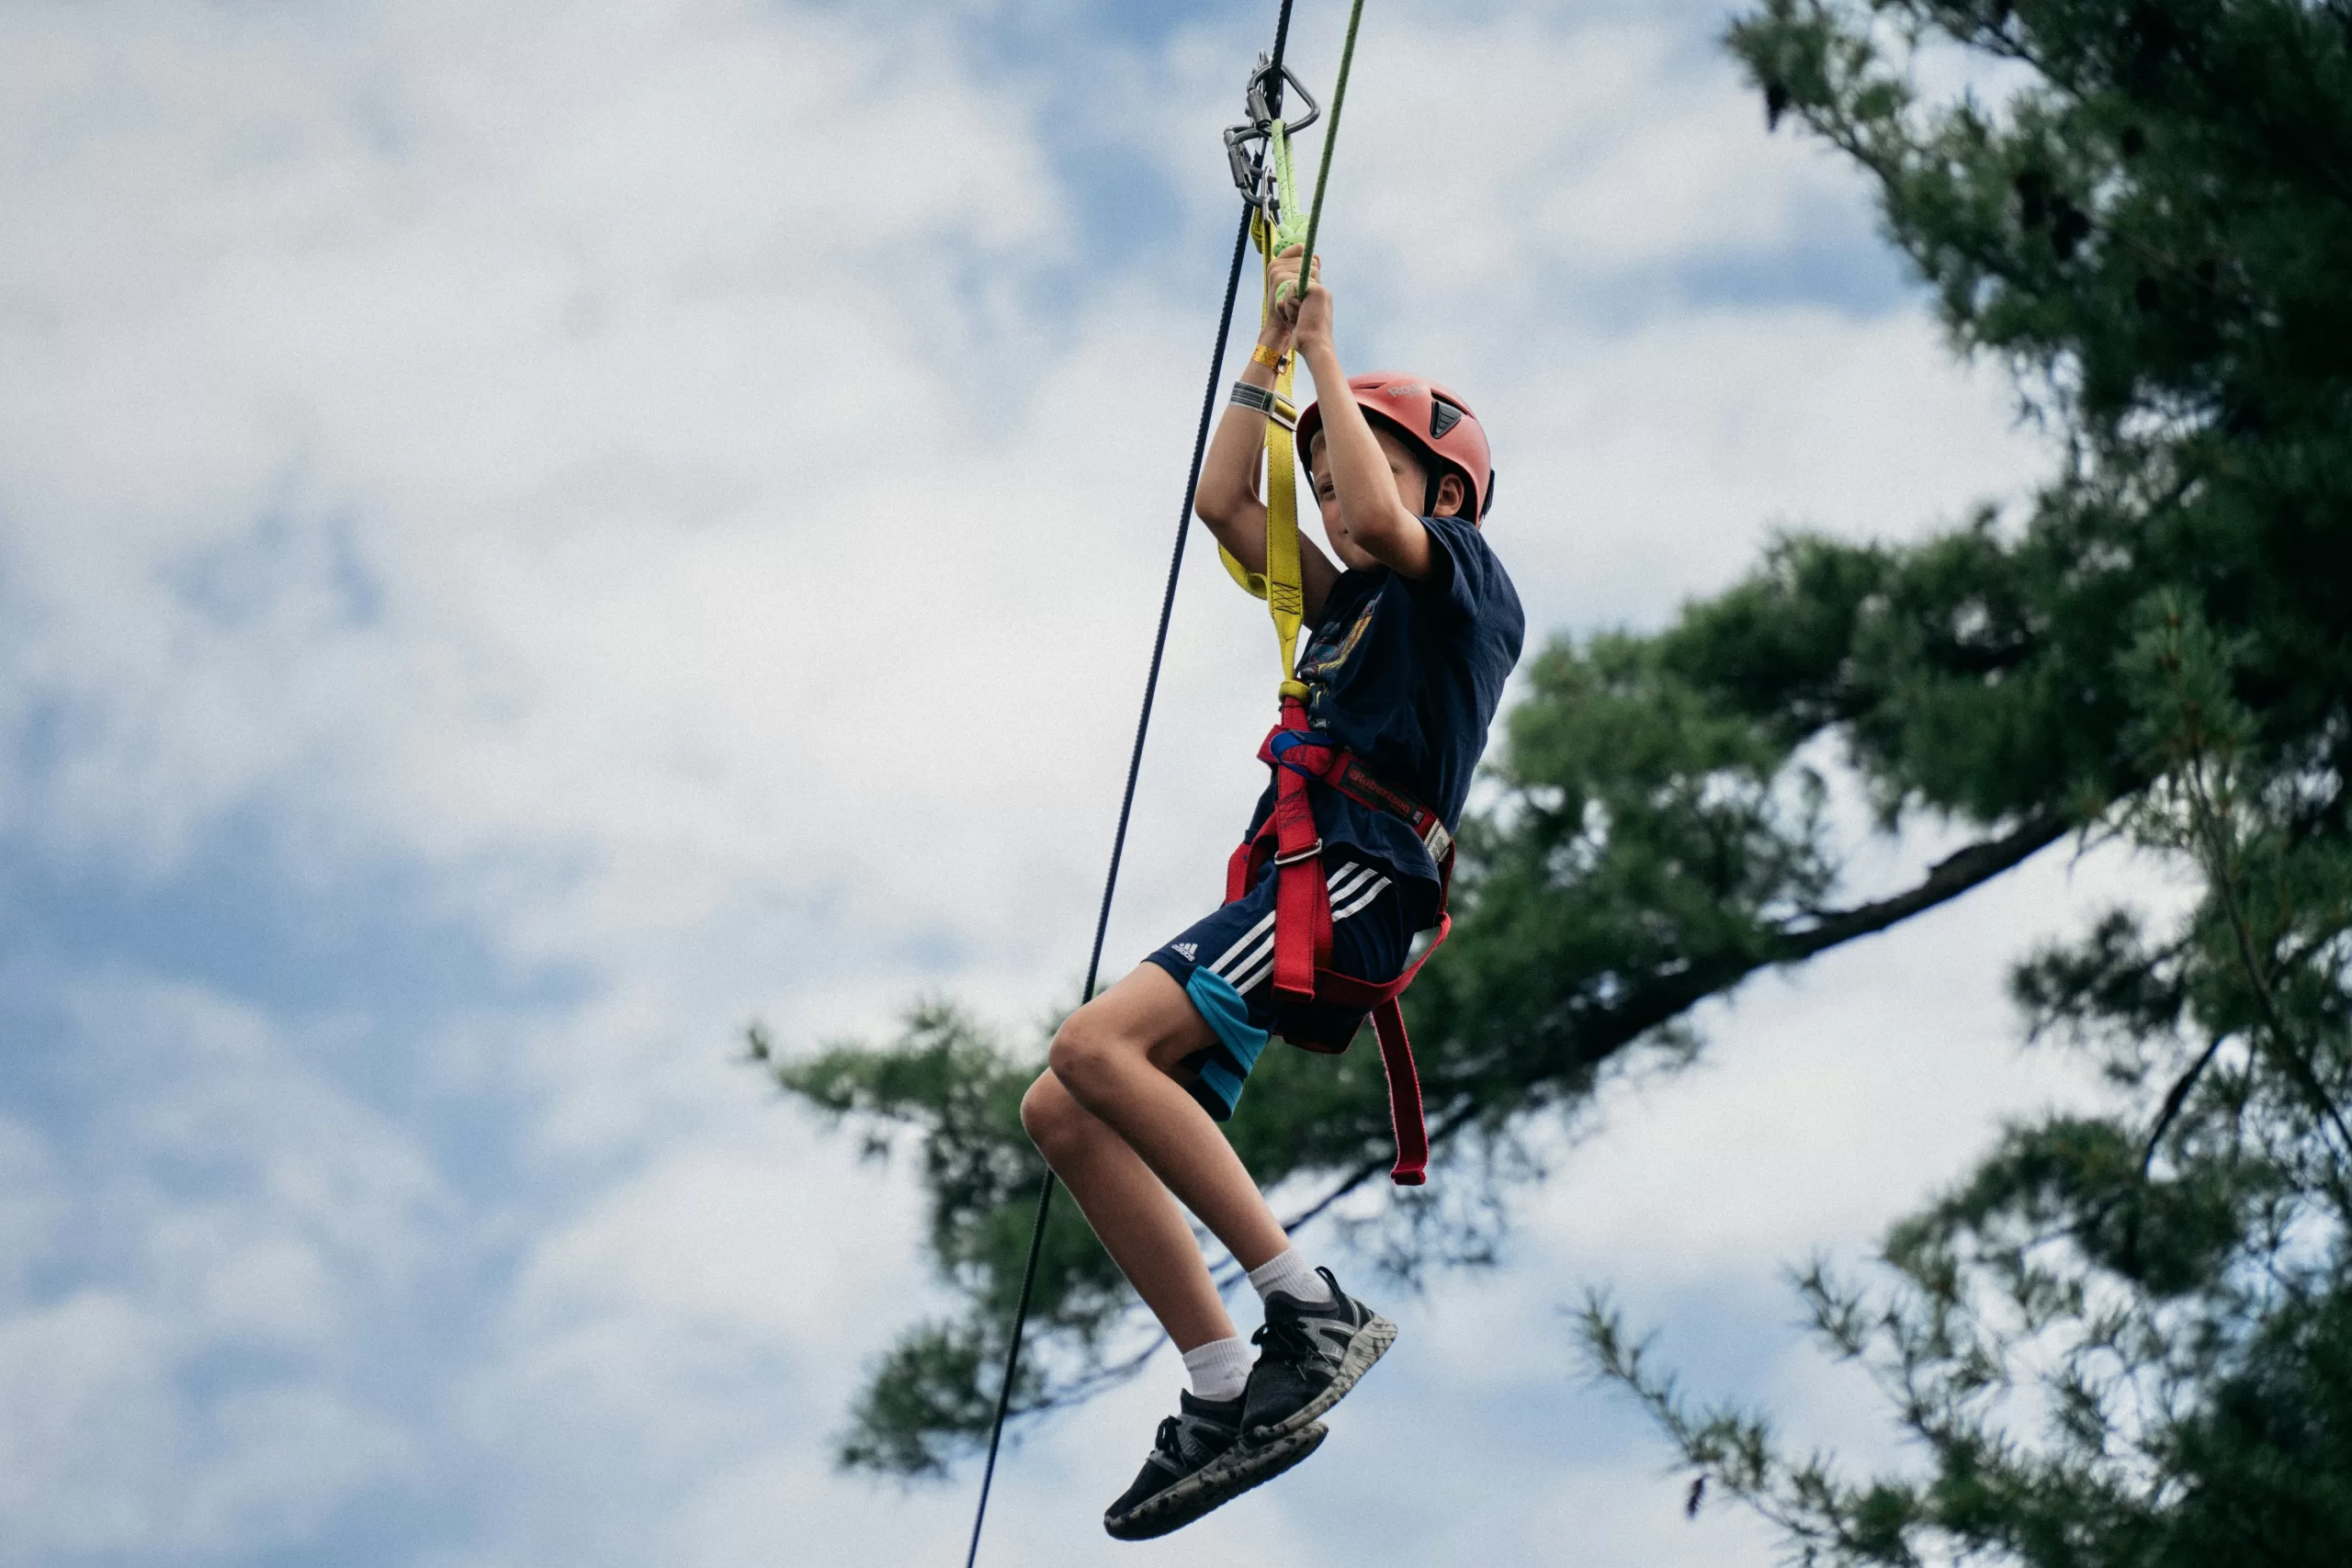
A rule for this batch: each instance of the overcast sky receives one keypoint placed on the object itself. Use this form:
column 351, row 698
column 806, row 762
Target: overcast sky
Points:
column 532, row 535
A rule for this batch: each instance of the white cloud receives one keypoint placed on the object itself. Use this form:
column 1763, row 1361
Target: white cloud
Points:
column 249, row 1214
column 647, row 473
column 641, row 497
column 91, row 1426
column 31, row 1202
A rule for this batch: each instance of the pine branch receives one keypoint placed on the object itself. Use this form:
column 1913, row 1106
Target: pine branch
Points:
column 1595, row 1036
column 1611, row 1032
column 1946, row 880
column 2176, row 1097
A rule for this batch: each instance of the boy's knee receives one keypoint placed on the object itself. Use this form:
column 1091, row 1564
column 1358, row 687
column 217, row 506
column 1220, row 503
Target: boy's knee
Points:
column 1083, row 1049
column 1047, row 1113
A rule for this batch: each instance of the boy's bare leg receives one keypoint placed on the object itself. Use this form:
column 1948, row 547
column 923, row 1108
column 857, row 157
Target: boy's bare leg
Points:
column 1139, row 1223
column 1124, row 1134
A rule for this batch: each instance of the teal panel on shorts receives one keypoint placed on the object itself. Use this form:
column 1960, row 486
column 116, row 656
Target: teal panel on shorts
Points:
column 1221, row 1007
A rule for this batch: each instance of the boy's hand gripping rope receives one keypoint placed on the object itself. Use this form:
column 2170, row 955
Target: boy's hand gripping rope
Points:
column 1274, row 225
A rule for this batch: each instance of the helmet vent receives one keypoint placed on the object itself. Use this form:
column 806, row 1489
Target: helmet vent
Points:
column 1444, row 416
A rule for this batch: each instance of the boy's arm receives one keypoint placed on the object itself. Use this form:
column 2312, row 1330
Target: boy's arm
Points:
column 1369, row 508
column 1228, row 498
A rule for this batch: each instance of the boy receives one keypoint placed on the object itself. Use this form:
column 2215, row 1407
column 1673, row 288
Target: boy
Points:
column 1412, row 635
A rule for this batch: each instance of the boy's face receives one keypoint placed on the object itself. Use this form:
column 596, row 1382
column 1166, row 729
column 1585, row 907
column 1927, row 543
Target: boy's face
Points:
column 1412, row 490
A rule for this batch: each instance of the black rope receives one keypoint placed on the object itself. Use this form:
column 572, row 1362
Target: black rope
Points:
column 1118, row 847
column 1128, row 800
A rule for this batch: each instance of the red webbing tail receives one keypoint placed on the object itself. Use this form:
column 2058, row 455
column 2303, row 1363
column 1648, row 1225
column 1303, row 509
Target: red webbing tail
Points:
column 1412, row 1167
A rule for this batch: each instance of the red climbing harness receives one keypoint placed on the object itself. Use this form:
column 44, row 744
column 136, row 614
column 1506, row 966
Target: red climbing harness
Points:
column 1303, row 908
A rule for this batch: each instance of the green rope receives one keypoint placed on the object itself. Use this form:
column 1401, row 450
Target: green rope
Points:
column 1330, row 140
column 1287, row 232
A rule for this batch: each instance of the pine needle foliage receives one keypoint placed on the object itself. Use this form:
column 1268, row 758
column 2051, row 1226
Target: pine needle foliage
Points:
column 2124, row 1338
column 2127, row 1338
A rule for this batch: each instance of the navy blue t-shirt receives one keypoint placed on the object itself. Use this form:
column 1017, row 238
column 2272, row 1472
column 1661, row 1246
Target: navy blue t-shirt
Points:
column 1407, row 673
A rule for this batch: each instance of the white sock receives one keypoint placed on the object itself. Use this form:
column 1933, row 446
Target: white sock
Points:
column 1289, row 1274
column 1219, row 1370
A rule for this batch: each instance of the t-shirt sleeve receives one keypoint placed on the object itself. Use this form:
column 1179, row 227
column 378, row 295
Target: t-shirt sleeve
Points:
column 1465, row 578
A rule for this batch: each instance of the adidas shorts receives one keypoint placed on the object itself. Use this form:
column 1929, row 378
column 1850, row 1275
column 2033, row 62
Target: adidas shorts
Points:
column 1226, row 963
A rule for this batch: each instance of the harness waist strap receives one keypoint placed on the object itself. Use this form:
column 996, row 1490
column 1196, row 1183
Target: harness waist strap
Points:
column 1318, row 758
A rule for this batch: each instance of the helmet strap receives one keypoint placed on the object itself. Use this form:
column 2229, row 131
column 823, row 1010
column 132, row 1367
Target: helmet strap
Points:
column 1438, row 468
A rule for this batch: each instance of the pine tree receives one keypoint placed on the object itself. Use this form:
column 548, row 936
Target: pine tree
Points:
column 2153, row 233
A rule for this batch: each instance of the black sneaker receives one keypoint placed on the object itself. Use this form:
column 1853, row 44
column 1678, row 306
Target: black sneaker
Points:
column 1198, row 1464
column 1311, row 1353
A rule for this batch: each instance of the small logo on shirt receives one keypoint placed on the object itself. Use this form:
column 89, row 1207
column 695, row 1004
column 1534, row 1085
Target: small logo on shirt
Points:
column 1192, row 953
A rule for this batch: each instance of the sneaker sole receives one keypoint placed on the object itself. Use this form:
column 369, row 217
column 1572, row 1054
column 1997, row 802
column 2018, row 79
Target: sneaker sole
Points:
column 1219, row 1481
column 1368, row 1345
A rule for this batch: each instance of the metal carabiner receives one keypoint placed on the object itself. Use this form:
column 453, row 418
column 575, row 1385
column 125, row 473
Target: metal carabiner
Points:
column 1261, row 99
column 1247, row 164
column 1244, row 143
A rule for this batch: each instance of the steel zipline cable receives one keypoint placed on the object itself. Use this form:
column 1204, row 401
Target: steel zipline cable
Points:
column 1150, row 689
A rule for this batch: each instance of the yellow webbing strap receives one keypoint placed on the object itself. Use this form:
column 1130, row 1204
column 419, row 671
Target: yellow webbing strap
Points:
column 1279, row 585
column 1285, row 593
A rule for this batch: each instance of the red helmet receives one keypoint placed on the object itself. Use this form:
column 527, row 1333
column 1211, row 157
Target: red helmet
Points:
column 1429, row 418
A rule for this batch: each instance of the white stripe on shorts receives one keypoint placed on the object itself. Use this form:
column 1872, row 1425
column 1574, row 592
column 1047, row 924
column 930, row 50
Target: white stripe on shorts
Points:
column 1262, row 958
column 1234, row 959
column 1366, row 897
column 1264, row 947
column 1247, row 938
